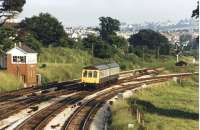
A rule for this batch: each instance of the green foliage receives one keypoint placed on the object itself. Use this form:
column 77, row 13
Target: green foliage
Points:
column 90, row 42
column 103, row 50
column 118, row 42
column 9, row 8
column 45, row 28
column 9, row 36
column 108, row 26
column 165, row 106
column 13, row 5
column 61, row 64
column 151, row 39
column 170, row 103
column 7, row 40
column 98, row 47
column 121, row 117
column 68, row 42
column 31, row 42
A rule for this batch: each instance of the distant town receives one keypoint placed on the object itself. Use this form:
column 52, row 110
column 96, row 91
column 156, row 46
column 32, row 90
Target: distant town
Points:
column 171, row 30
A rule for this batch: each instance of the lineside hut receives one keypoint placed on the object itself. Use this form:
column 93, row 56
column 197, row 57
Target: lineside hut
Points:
column 22, row 62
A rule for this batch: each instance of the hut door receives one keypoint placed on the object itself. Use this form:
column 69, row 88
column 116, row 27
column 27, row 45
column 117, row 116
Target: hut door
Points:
column 23, row 77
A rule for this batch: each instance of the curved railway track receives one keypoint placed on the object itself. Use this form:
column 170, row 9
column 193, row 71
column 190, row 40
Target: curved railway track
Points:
column 11, row 106
column 82, row 117
column 41, row 118
column 27, row 91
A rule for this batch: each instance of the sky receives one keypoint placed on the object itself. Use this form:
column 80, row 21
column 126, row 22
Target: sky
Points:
column 87, row 12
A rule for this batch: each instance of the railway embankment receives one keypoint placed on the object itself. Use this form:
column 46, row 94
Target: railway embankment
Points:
column 165, row 106
column 61, row 64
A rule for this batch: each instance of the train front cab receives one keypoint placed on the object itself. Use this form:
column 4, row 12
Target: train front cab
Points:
column 90, row 78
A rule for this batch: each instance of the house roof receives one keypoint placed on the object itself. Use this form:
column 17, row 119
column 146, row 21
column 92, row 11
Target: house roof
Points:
column 26, row 49
column 23, row 48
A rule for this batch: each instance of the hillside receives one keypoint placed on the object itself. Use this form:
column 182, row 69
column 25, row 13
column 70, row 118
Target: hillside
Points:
column 61, row 64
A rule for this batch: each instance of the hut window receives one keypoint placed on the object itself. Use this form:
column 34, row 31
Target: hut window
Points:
column 20, row 59
column 14, row 58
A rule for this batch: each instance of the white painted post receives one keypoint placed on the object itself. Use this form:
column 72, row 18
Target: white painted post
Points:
column 139, row 117
column 177, row 58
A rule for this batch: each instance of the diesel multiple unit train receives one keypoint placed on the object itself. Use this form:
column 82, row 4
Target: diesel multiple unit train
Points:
column 100, row 75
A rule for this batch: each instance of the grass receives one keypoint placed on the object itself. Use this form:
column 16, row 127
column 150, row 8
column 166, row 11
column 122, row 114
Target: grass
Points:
column 121, row 116
column 167, row 106
column 61, row 64
column 9, row 82
column 65, row 63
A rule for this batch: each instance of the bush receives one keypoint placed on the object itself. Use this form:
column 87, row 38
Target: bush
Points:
column 43, row 66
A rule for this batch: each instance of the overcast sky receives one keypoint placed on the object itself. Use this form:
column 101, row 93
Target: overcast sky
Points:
column 86, row 12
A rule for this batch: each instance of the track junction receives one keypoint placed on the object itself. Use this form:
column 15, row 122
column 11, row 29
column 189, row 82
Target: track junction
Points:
column 83, row 103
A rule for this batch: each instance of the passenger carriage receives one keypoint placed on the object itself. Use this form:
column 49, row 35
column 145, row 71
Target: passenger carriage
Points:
column 100, row 74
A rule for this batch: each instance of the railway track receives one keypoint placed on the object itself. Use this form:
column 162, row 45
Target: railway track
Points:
column 40, row 91
column 13, row 107
column 28, row 91
column 137, row 78
column 82, row 117
column 39, row 120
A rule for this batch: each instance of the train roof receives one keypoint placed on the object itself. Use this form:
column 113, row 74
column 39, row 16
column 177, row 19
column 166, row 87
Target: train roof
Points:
column 102, row 67
column 113, row 65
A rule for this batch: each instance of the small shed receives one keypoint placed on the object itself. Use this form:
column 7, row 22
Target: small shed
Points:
column 22, row 62
column 3, row 58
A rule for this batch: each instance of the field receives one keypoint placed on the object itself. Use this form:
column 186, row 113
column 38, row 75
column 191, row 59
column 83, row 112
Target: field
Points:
column 166, row 106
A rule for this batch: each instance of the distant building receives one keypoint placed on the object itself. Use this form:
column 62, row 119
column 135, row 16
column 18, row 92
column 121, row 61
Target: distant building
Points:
column 22, row 62
column 125, row 35
column 80, row 32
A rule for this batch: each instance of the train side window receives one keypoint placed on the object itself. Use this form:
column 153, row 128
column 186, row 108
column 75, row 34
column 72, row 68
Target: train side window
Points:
column 90, row 74
column 95, row 74
column 85, row 74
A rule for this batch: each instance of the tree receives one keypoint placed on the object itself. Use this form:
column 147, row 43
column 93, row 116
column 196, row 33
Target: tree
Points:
column 103, row 50
column 31, row 42
column 90, row 40
column 8, row 38
column 152, row 40
column 45, row 28
column 118, row 42
column 97, row 47
column 195, row 13
column 9, row 8
column 108, row 26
